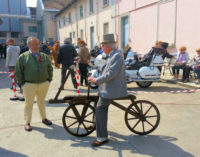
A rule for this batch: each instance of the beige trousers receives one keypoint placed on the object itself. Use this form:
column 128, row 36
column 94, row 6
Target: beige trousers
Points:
column 32, row 90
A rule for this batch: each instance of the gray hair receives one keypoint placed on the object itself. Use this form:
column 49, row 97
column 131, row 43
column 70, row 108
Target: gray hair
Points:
column 67, row 41
column 112, row 45
column 30, row 39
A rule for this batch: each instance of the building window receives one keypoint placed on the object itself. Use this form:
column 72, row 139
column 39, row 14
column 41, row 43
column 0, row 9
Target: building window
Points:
column 81, row 11
column 70, row 36
column 70, row 17
column 74, row 34
column 81, row 32
column 14, row 34
column 64, row 22
column 91, row 6
column 50, row 39
column 52, row 17
column 3, row 34
column 59, row 23
column 32, row 29
column 105, row 28
column 124, row 31
column 92, row 37
column 105, row 3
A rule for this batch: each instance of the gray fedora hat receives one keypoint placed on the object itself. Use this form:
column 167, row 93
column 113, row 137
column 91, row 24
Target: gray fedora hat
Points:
column 108, row 39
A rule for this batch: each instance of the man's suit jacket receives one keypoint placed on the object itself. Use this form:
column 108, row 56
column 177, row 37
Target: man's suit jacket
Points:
column 112, row 82
column 66, row 55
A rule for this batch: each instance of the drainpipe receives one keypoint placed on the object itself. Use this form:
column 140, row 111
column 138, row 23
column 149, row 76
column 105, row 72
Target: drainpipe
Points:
column 97, row 21
column 20, row 22
column 86, row 39
column 135, row 4
column 117, row 22
column 115, row 19
column 9, row 18
column 158, row 21
column 76, row 10
column 175, row 22
column 20, row 3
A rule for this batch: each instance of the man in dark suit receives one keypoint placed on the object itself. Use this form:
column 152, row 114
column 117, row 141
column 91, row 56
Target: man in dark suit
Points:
column 66, row 56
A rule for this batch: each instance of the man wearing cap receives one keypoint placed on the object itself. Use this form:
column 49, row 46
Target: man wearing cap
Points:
column 111, row 80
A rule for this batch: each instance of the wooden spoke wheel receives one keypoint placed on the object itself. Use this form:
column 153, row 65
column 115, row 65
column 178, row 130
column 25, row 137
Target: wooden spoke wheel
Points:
column 78, row 119
column 145, row 119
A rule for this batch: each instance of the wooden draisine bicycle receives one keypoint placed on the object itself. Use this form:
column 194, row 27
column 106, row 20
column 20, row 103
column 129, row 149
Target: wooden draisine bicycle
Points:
column 141, row 117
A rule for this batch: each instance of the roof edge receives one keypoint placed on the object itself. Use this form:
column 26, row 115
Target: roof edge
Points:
column 51, row 10
column 42, row 4
column 67, row 7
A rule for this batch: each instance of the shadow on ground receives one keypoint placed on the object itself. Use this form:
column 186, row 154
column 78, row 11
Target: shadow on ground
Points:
column 55, row 132
column 8, row 153
column 156, row 89
column 151, row 145
column 56, row 105
column 84, row 91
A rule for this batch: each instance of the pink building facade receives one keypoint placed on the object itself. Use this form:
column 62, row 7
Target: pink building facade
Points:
column 143, row 22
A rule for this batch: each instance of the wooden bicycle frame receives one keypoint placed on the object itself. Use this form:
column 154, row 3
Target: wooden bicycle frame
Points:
column 87, row 98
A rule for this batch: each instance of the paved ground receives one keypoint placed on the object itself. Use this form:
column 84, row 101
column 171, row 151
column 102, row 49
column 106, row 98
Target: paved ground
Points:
column 176, row 136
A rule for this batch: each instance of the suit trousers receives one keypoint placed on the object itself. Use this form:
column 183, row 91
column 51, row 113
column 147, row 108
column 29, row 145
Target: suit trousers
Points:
column 102, row 117
column 83, row 71
column 63, row 75
column 32, row 90
column 186, row 72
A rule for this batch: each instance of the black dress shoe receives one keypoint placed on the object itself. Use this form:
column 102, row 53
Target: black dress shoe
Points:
column 47, row 122
column 97, row 143
column 28, row 127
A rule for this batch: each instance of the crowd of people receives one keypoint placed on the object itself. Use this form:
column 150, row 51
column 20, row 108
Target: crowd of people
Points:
column 32, row 64
column 182, row 61
column 57, row 55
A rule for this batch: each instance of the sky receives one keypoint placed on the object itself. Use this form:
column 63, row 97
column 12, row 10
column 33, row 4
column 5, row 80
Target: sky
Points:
column 31, row 3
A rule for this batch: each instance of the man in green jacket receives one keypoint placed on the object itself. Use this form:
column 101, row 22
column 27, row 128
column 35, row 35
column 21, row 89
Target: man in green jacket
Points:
column 34, row 72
